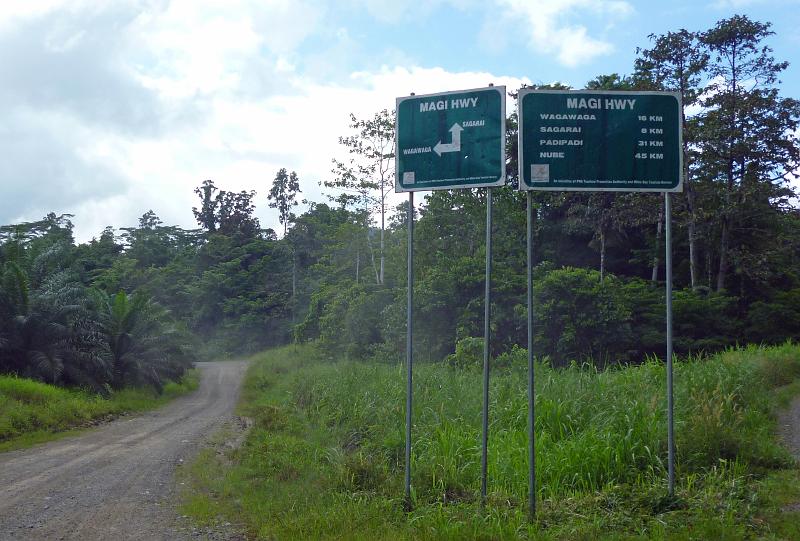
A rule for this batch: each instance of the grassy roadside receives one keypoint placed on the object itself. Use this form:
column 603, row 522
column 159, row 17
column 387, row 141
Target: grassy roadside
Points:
column 325, row 458
column 32, row 412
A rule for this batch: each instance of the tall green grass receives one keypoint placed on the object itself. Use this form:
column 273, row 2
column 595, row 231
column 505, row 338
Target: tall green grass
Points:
column 326, row 457
column 31, row 411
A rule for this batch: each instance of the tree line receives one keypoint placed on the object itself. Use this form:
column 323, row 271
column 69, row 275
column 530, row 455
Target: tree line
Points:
column 337, row 272
column 58, row 325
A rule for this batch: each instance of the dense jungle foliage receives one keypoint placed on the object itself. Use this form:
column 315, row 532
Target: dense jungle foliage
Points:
column 57, row 326
column 128, row 305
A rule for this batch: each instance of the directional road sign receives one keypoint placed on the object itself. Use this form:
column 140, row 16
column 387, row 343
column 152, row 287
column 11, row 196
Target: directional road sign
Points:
column 451, row 140
column 584, row 140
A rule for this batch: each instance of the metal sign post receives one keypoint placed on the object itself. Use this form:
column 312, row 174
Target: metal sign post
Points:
column 487, row 305
column 409, row 342
column 531, row 404
column 670, row 403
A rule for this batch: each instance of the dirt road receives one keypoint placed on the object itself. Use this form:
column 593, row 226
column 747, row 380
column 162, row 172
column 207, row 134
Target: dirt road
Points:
column 789, row 427
column 115, row 482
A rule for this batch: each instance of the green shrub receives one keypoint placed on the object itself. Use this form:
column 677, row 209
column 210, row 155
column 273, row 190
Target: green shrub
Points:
column 775, row 320
column 469, row 353
column 576, row 316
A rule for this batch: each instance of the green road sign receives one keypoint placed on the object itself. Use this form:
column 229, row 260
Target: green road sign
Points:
column 451, row 140
column 586, row 140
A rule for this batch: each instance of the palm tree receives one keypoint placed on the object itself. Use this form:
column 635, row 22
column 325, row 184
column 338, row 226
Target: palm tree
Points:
column 47, row 331
column 144, row 345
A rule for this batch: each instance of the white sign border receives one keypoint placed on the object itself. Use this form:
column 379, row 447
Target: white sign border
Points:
column 525, row 188
column 499, row 182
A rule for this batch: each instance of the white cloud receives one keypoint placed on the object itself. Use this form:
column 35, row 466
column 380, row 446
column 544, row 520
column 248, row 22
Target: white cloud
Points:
column 110, row 112
column 547, row 27
column 14, row 12
column 195, row 49
column 242, row 144
column 393, row 11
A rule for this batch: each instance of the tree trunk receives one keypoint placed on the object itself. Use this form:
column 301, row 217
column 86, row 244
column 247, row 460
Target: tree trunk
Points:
column 374, row 266
column 372, row 259
column 689, row 191
column 659, row 230
column 369, row 243
column 728, row 211
column 724, row 239
column 382, row 241
column 383, row 227
column 294, row 292
column 294, row 276
column 723, row 253
column 602, row 254
column 693, row 254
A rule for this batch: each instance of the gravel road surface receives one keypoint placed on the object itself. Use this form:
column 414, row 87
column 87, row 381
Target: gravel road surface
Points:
column 117, row 481
column 789, row 426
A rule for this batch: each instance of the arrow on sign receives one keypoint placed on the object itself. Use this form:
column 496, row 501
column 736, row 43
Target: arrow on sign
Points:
column 455, row 146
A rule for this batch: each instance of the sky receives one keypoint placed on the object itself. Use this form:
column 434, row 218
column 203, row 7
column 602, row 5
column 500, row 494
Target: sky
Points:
column 109, row 109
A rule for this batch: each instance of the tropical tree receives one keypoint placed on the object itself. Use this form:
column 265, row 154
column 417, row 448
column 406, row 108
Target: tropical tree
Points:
column 677, row 62
column 283, row 196
column 746, row 146
column 226, row 213
column 600, row 213
column 48, row 331
column 206, row 215
column 368, row 176
column 145, row 346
